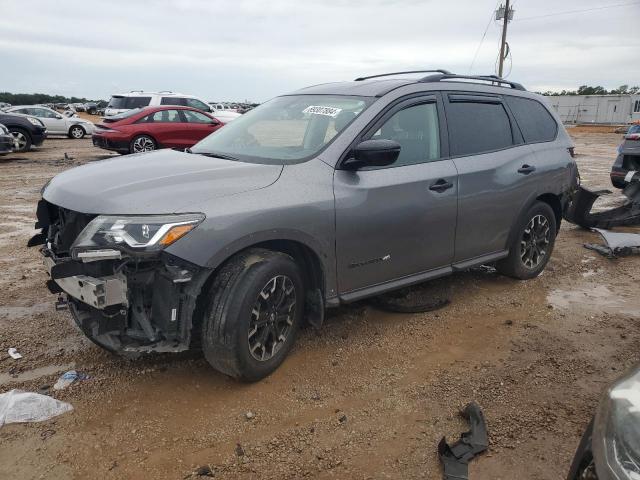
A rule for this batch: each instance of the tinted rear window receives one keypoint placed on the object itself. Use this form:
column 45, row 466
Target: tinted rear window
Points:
column 128, row 102
column 535, row 122
column 478, row 127
column 173, row 101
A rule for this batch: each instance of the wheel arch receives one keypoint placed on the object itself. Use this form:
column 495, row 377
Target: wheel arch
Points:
column 550, row 199
column 312, row 266
column 554, row 202
column 305, row 250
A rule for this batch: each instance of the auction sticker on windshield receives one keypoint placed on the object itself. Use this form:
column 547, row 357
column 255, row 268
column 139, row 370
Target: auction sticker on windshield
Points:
column 319, row 110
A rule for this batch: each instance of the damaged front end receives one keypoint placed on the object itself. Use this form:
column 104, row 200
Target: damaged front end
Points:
column 124, row 291
column 579, row 210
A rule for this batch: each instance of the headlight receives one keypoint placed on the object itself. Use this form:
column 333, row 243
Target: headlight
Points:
column 616, row 431
column 35, row 121
column 146, row 233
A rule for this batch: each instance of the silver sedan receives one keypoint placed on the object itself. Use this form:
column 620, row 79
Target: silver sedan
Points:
column 56, row 123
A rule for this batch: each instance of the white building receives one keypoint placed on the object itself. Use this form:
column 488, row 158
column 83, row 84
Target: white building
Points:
column 607, row 109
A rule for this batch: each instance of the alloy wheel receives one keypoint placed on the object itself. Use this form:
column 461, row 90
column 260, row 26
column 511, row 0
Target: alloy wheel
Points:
column 272, row 318
column 20, row 140
column 77, row 132
column 535, row 241
column 143, row 144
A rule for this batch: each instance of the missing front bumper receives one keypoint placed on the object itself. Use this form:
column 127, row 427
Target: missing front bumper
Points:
column 99, row 293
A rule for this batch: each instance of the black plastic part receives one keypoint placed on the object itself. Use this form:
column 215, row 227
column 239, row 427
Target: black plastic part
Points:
column 53, row 287
column 579, row 211
column 483, row 78
column 67, row 269
column 455, row 458
column 584, row 455
column 42, row 214
column 444, row 72
column 37, row 239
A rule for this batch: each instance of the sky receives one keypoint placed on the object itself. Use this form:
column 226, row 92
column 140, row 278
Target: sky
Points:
column 235, row 50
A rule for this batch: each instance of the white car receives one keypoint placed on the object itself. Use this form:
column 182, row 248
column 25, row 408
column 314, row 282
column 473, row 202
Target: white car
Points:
column 225, row 116
column 56, row 123
column 122, row 102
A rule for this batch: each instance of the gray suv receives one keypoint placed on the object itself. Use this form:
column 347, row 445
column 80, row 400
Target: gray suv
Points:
column 328, row 195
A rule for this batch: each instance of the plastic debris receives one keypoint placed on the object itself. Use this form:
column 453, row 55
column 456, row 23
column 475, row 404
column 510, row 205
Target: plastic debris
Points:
column 68, row 378
column 13, row 353
column 17, row 406
column 617, row 244
column 455, row 458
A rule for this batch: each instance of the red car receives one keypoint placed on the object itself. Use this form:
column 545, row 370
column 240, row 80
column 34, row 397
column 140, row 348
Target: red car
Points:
column 145, row 129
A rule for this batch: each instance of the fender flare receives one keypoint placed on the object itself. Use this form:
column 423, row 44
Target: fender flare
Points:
column 322, row 253
column 533, row 198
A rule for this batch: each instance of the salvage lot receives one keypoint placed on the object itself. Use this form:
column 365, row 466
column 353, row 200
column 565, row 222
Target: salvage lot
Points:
column 368, row 396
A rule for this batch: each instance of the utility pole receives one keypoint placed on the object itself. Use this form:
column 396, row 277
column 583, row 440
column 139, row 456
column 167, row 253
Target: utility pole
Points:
column 505, row 12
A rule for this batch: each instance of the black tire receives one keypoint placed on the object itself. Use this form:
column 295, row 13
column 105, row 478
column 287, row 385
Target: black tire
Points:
column 532, row 243
column 76, row 132
column 142, row 143
column 23, row 137
column 237, row 306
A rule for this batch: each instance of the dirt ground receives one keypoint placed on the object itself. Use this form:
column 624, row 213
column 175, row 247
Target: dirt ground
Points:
column 368, row 396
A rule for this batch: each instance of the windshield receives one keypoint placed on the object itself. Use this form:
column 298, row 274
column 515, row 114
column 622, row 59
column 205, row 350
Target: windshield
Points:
column 284, row 130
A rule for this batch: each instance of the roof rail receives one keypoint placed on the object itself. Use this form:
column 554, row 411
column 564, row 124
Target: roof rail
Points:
column 165, row 91
column 444, row 72
column 482, row 78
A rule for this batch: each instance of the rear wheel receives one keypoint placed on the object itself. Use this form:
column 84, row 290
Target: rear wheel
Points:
column 254, row 313
column 532, row 245
column 142, row 143
column 22, row 138
column 76, row 132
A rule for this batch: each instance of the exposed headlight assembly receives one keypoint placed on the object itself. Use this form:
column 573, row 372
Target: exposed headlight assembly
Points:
column 35, row 121
column 616, row 431
column 145, row 233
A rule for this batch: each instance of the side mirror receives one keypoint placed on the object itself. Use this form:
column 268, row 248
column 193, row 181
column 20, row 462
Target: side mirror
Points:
column 59, row 117
column 373, row 153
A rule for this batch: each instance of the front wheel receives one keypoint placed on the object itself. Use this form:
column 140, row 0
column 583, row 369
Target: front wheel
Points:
column 532, row 244
column 142, row 143
column 255, row 310
column 76, row 132
column 22, row 139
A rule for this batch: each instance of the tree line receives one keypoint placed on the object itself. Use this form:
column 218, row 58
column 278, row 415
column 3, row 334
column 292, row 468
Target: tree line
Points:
column 588, row 90
column 38, row 98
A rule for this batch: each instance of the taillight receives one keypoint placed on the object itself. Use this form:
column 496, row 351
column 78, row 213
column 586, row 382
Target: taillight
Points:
column 632, row 136
column 572, row 151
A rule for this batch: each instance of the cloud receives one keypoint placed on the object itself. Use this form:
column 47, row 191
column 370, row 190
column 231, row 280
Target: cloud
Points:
column 249, row 49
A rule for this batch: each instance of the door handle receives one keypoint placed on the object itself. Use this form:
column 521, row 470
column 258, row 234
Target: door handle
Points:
column 440, row 186
column 526, row 169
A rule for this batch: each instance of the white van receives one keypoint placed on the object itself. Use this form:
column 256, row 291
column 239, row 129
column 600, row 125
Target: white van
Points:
column 121, row 102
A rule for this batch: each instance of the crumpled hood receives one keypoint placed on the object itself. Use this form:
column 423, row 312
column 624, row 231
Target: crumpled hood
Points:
column 166, row 181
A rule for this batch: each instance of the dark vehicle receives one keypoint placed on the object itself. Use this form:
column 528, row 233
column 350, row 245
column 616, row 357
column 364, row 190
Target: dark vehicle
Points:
column 152, row 128
column 321, row 197
column 93, row 108
column 628, row 160
column 27, row 131
column 610, row 446
column 7, row 142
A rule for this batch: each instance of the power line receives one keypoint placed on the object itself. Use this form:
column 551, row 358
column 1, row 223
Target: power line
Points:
column 580, row 11
column 483, row 37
